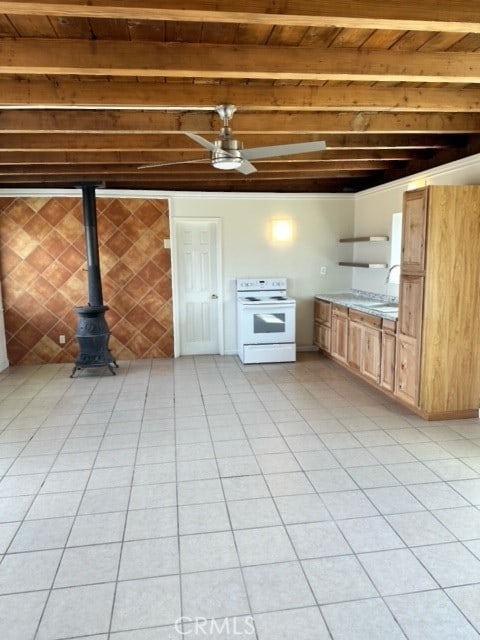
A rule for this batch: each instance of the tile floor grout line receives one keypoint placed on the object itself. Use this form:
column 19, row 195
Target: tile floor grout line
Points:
column 180, row 572
column 124, row 528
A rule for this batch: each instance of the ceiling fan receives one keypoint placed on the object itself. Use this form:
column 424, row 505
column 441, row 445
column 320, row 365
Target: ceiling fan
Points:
column 227, row 153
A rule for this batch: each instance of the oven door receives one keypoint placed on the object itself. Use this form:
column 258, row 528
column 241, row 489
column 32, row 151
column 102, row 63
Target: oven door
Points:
column 267, row 324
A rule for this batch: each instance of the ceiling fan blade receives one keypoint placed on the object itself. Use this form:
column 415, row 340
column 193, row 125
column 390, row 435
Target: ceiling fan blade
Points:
column 201, row 141
column 246, row 168
column 283, row 150
column 169, row 164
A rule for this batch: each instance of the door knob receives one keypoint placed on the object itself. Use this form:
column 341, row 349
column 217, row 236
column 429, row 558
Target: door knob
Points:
column 214, row 296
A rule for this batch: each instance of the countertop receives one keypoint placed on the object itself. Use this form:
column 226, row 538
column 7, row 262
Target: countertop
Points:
column 376, row 305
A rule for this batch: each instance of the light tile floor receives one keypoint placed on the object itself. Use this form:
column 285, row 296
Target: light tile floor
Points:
column 200, row 498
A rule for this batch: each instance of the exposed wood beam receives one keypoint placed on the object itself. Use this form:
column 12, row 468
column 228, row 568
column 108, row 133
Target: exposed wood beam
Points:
column 133, row 95
column 184, row 60
column 155, row 122
column 200, row 179
column 145, row 157
column 317, row 185
column 265, row 170
column 131, row 142
column 429, row 15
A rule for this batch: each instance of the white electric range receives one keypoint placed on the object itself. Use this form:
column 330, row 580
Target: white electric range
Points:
column 265, row 321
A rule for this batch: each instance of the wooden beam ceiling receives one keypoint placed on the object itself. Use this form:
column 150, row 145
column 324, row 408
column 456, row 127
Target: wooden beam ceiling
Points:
column 437, row 15
column 119, row 122
column 44, row 56
column 102, row 94
column 93, row 89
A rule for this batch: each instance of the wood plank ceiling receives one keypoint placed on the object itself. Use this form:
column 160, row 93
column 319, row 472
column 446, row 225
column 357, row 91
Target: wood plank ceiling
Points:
column 91, row 90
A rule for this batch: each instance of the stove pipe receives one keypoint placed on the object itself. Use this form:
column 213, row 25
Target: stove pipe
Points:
column 92, row 330
column 95, row 296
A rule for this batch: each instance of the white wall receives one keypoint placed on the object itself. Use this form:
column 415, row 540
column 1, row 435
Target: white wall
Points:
column 319, row 221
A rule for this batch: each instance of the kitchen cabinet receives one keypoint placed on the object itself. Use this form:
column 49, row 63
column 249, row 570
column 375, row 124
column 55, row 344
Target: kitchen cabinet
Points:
column 355, row 332
column 411, row 294
column 322, row 324
column 388, row 354
column 371, row 353
column 339, row 337
column 438, row 350
column 359, row 342
column 364, row 344
column 407, row 369
column 415, row 208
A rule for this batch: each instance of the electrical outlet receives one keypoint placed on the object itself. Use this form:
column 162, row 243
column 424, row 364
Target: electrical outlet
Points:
column 323, row 271
column 61, row 339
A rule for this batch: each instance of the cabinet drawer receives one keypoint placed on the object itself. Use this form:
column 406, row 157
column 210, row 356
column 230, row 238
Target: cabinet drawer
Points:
column 323, row 312
column 389, row 326
column 339, row 310
column 365, row 318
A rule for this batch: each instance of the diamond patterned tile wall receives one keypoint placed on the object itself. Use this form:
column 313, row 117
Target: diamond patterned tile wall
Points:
column 43, row 276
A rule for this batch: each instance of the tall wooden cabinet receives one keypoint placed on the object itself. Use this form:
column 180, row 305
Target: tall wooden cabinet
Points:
column 438, row 341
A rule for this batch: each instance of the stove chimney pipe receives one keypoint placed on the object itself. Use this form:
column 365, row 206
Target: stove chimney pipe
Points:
column 95, row 296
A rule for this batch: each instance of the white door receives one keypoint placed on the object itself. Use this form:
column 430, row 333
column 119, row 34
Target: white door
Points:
column 198, row 318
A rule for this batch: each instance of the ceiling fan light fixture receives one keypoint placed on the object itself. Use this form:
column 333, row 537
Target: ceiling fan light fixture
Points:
column 227, row 160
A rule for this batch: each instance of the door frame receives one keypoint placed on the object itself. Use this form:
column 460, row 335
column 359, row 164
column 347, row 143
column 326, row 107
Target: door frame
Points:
column 175, row 281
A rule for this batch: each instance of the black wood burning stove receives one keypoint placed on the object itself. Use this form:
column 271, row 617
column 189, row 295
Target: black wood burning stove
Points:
column 92, row 329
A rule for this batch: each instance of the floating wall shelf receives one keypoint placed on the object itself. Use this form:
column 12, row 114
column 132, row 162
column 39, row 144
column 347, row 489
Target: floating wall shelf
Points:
column 366, row 239
column 364, row 265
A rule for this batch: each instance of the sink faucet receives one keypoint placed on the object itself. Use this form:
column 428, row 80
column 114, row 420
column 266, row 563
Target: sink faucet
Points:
column 389, row 273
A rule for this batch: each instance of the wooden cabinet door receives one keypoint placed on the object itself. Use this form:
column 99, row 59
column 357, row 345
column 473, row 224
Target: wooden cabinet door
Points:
column 410, row 311
column 339, row 337
column 414, row 230
column 372, row 348
column 323, row 312
column 355, row 344
column 407, row 369
column 322, row 337
column 387, row 372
